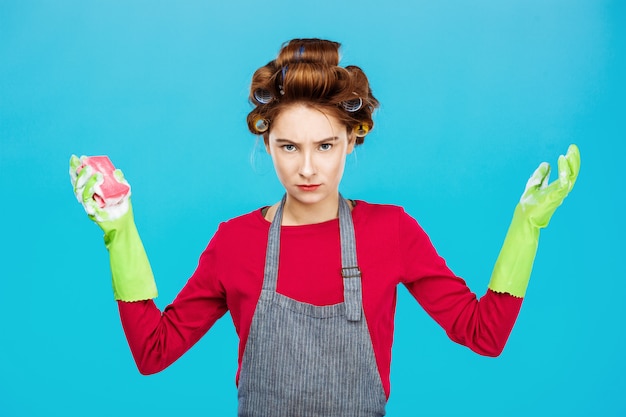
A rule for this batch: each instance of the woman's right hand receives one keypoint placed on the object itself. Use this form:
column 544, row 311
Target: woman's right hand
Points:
column 130, row 269
column 87, row 188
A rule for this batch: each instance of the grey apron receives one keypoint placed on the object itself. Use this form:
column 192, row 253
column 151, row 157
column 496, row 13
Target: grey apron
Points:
column 302, row 360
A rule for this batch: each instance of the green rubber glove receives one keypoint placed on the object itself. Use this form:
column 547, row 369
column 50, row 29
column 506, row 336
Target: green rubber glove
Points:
column 539, row 201
column 130, row 269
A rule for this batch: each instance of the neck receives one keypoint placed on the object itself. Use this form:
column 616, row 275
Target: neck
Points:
column 296, row 213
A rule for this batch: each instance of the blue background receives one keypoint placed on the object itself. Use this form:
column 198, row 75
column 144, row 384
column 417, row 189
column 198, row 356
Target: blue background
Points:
column 474, row 96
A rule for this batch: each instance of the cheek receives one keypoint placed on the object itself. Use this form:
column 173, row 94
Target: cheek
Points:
column 335, row 165
column 283, row 166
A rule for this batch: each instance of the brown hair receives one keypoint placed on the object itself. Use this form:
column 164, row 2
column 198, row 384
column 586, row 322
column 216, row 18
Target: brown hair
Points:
column 306, row 71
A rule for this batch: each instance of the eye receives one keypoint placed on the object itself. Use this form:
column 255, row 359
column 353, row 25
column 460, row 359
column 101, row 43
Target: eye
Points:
column 289, row 148
column 326, row 146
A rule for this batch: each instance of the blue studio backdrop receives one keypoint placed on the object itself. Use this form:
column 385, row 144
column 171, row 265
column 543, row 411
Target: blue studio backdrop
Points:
column 474, row 96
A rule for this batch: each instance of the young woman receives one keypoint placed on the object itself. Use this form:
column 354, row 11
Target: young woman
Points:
column 310, row 282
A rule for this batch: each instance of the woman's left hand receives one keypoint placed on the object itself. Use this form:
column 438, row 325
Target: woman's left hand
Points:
column 540, row 199
column 537, row 205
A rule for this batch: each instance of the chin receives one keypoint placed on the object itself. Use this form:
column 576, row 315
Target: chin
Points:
column 308, row 197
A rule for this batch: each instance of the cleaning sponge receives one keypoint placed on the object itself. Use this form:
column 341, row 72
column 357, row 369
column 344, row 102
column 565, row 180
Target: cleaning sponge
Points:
column 111, row 191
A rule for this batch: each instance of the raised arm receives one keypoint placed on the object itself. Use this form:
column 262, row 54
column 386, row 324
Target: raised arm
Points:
column 156, row 339
column 484, row 324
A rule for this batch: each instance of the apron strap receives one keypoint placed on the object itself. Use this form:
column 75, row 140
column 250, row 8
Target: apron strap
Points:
column 273, row 249
column 350, row 271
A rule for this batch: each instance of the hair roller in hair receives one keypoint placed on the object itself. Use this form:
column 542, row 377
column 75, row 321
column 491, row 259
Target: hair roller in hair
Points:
column 352, row 105
column 299, row 53
column 261, row 125
column 361, row 130
column 282, row 80
column 263, row 96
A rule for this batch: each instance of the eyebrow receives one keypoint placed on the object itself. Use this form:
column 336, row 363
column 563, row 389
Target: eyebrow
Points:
column 326, row 140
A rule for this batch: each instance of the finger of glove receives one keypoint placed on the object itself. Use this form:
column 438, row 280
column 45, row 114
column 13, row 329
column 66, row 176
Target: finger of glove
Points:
column 75, row 164
column 83, row 176
column 90, row 186
column 558, row 189
column 92, row 208
column 81, row 180
column 541, row 204
column 119, row 177
column 573, row 159
column 539, row 177
column 565, row 172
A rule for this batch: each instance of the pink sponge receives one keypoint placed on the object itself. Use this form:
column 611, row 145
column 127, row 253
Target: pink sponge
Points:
column 111, row 191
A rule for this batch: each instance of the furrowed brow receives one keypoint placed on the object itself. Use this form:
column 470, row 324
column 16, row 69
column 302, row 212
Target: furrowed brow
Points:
column 283, row 141
column 317, row 142
column 331, row 139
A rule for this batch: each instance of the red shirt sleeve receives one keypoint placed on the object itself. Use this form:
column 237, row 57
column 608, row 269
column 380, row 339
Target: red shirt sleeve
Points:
column 482, row 325
column 157, row 339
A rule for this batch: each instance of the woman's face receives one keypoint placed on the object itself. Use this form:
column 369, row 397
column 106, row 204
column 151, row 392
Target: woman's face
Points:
column 309, row 151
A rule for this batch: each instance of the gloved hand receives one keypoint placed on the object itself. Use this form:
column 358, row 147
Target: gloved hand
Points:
column 130, row 269
column 87, row 185
column 512, row 270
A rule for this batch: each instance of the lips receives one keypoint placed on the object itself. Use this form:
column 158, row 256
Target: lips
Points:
column 308, row 187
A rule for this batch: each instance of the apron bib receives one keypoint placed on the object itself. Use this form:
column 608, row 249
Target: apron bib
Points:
column 302, row 360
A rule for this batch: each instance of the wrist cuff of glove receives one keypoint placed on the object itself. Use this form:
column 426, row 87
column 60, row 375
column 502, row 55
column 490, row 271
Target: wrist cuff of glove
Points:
column 131, row 273
column 513, row 267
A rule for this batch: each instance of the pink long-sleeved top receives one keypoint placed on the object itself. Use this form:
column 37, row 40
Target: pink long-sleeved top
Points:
column 392, row 249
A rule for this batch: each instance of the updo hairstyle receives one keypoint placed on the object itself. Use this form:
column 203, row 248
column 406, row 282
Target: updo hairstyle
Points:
column 306, row 71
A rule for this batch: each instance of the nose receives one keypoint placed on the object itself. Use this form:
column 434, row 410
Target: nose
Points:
column 307, row 165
